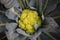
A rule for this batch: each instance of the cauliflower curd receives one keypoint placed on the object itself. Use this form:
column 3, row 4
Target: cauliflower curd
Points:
column 28, row 19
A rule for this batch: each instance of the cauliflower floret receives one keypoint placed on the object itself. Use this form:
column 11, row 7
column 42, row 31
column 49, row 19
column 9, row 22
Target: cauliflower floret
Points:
column 22, row 25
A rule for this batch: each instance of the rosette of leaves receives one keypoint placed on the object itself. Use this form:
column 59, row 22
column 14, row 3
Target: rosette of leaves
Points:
column 35, row 6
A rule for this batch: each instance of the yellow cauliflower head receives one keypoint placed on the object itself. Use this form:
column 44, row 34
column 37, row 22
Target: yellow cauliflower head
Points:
column 28, row 19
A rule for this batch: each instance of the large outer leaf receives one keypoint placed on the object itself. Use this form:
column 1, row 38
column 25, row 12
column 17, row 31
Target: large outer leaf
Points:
column 51, row 6
column 51, row 25
column 12, row 34
column 11, row 14
column 10, row 3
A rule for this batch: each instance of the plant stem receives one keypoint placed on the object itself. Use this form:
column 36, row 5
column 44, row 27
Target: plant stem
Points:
column 2, row 11
column 39, row 37
column 49, row 35
column 3, row 24
column 56, row 17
